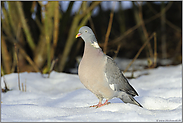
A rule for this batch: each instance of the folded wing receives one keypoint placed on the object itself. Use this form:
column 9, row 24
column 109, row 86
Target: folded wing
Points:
column 115, row 78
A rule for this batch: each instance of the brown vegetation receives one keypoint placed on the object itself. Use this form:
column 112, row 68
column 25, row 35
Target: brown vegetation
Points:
column 47, row 42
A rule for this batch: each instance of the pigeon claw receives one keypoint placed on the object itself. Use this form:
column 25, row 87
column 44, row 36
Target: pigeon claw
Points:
column 96, row 105
column 100, row 104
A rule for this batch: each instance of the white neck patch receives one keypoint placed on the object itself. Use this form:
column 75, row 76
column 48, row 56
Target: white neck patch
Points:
column 95, row 44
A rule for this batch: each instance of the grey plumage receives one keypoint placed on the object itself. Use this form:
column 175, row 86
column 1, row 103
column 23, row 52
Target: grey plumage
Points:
column 100, row 74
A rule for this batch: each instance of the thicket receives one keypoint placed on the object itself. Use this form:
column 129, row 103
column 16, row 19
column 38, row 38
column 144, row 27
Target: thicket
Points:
column 47, row 41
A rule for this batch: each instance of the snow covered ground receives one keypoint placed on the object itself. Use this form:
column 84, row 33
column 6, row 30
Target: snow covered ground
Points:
column 62, row 97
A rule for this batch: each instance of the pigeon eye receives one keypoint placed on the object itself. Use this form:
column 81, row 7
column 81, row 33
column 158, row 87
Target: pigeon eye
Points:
column 86, row 30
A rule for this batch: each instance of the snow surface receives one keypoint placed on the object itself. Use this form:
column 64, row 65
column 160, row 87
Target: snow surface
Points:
column 62, row 97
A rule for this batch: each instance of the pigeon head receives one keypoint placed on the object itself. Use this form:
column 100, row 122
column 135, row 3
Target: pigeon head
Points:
column 88, row 36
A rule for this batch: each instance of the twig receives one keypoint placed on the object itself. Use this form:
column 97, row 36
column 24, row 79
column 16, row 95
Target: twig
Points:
column 26, row 28
column 52, row 65
column 5, row 86
column 115, row 41
column 132, row 77
column 25, row 85
column 6, row 59
column 22, row 87
column 56, row 24
column 13, row 64
column 155, row 50
column 92, row 26
column 16, row 54
column 140, row 50
column 108, row 30
column 144, row 29
column 89, row 9
column 116, row 51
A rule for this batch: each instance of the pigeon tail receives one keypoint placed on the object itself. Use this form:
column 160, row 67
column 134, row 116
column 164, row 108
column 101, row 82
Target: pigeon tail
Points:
column 126, row 98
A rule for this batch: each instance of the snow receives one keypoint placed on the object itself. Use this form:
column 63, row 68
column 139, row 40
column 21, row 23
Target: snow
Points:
column 62, row 97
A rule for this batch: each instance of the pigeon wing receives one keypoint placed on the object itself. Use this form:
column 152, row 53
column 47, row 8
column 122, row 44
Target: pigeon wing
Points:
column 115, row 78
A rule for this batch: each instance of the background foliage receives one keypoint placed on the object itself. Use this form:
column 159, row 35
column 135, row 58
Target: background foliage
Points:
column 40, row 35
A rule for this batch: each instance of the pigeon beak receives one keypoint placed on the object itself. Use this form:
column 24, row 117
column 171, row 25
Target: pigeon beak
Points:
column 78, row 35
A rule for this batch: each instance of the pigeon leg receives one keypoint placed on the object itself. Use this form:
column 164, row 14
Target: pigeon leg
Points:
column 100, row 102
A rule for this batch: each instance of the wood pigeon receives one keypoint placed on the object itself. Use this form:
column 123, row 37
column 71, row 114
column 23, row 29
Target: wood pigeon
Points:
column 100, row 74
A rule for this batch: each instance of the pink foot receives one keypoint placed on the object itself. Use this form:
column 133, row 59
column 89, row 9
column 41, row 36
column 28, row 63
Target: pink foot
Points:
column 100, row 104
column 96, row 105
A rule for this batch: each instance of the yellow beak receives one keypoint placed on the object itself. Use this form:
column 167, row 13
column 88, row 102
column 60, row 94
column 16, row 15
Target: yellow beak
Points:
column 78, row 35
